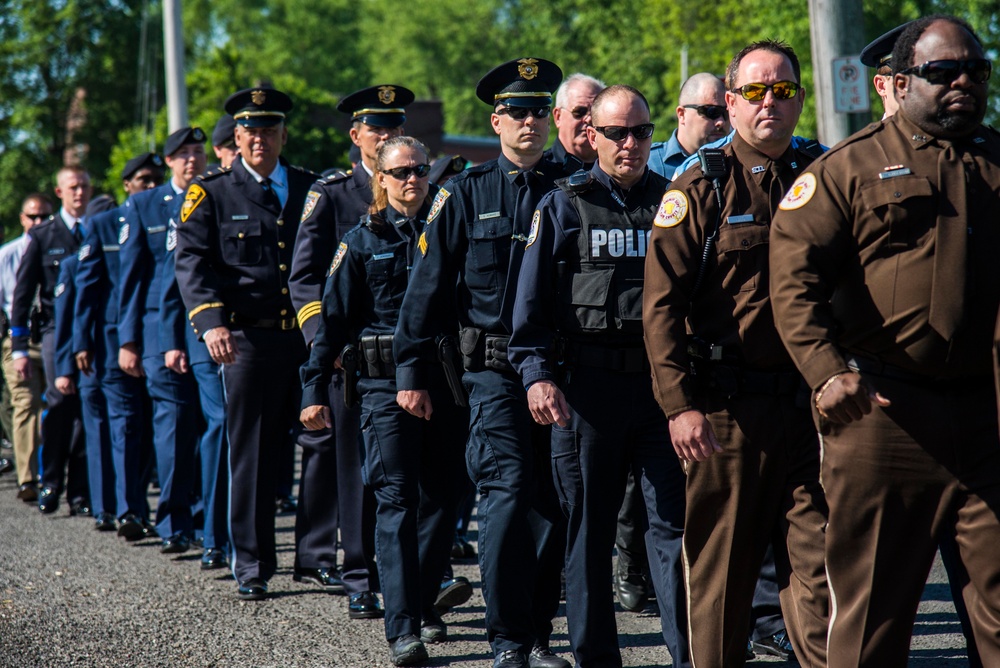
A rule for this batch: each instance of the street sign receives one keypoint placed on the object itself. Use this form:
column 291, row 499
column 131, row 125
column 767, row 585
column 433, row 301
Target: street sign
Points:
column 850, row 85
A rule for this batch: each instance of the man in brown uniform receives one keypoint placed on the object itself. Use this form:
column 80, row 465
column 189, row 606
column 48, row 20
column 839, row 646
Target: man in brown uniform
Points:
column 750, row 449
column 885, row 286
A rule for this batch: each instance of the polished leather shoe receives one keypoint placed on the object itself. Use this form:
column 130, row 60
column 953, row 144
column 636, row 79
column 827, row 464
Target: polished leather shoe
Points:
column 254, row 589
column 453, row 593
column 285, row 504
column 462, row 549
column 632, row 592
column 432, row 629
column 365, row 605
column 105, row 522
column 777, row 645
column 28, row 492
column 213, row 558
column 148, row 530
column 327, row 578
column 176, row 544
column 48, row 500
column 510, row 658
column 407, row 650
column 542, row 657
column 130, row 527
column 79, row 506
column 6, row 465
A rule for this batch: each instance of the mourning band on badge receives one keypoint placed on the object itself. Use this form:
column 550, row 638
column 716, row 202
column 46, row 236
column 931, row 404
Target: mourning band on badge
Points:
column 673, row 209
column 195, row 195
column 800, row 193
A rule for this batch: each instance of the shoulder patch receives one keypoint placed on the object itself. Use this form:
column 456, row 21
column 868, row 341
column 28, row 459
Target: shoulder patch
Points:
column 436, row 205
column 673, row 209
column 84, row 252
column 195, row 195
column 533, row 232
column 310, row 204
column 123, row 234
column 800, row 193
column 338, row 257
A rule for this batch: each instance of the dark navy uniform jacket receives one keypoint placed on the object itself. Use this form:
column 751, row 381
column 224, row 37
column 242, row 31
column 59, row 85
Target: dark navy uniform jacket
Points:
column 363, row 293
column 234, row 249
column 64, row 298
column 333, row 207
column 176, row 332
column 97, row 285
column 142, row 240
column 466, row 252
column 568, row 162
column 49, row 245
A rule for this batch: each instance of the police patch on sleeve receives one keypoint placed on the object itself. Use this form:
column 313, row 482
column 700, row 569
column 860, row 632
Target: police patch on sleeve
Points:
column 84, row 252
column 673, row 208
column 338, row 257
column 171, row 238
column 123, row 234
column 799, row 194
column 533, row 232
column 192, row 199
column 436, row 205
column 311, row 200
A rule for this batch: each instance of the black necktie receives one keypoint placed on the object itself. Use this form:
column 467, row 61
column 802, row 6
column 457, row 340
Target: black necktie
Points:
column 529, row 193
column 270, row 196
column 78, row 231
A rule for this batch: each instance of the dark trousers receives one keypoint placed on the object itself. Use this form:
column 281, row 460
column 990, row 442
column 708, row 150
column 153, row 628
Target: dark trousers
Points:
column 130, row 440
column 263, row 392
column 521, row 530
column 332, row 497
column 63, row 444
column 616, row 427
column 97, row 436
column 212, row 450
column 416, row 469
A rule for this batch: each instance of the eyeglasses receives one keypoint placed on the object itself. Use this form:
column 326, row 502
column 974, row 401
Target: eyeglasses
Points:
column 521, row 113
column 712, row 112
column 403, row 173
column 37, row 216
column 620, row 132
column 943, row 72
column 579, row 112
column 755, row 92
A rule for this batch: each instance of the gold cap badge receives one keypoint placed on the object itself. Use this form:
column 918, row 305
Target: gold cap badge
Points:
column 527, row 68
column 258, row 97
column 386, row 94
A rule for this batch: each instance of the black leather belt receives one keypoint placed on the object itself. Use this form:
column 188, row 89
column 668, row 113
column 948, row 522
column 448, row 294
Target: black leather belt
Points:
column 624, row 360
column 264, row 323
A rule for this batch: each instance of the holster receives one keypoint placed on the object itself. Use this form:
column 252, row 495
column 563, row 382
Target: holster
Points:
column 350, row 361
column 451, row 362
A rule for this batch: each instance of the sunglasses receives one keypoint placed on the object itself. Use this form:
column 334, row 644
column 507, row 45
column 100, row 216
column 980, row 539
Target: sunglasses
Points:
column 403, row 173
column 620, row 132
column 521, row 113
column 37, row 216
column 942, row 72
column 755, row 92
column 579, row 112
column 712, row 112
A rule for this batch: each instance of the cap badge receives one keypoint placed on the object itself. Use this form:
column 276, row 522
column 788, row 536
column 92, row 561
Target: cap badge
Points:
column 386, row 94
column 199, row 135
column 527, row 68
column 258, row 97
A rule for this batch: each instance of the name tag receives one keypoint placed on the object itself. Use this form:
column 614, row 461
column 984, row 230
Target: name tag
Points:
column 156, row 229
column 739, row 220
column 111, row 248
column 894, row 173
column 383, row 256
column 240, row 218
column 56, row 251
column 487, row 216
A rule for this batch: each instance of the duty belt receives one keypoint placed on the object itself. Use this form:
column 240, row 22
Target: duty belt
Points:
column 623, row 360
column 733, row 381
column 482, row 350
column 865, row 365
column 264, row 323
column 376, row 353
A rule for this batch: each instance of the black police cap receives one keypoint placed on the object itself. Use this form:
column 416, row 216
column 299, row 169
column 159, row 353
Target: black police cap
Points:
column 381, row 106
column 525, row 82
column 140, row 161
column 444, row 167
column 223, row 132
column 181, row 137
column 258, row 107
column 879, row 50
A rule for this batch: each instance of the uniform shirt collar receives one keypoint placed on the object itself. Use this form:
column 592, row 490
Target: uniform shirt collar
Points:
column 177, row 189
column 511, row 170
column 279, row 177
column 605, row 180
column 751, row 158
column 68, row 220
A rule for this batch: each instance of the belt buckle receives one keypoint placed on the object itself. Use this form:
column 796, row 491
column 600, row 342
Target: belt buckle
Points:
column 714, row 352
column 287, row 324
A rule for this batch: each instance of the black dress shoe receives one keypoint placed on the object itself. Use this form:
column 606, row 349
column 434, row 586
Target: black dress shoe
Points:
column 105, row 522
column 750, row 653
column 462, row 549
column 176, row 544
column 632, row 592
column 327, row 578
column 510, row 659
column 542, row 657
column 432, row 629
column 149, row 530
column 213, row 558
column 407, row 650
column 79, row 506
column 453, row 593
column 365, row 605
column 254, row 589
column 48, row 500
column 777, row 645
column 285, row 504
column 28, row 492
column 6, row 465
column 130, row 527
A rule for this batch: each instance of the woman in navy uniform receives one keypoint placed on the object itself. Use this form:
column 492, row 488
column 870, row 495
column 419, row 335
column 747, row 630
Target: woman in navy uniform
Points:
column 414, row 466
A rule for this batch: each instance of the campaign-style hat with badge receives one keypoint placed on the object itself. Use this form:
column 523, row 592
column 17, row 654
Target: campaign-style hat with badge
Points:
column 258, row 107
column 525, row 82
column 379, row 106
column 151, row 160
column 223, row 133
column 181, row 137
column 879, row 51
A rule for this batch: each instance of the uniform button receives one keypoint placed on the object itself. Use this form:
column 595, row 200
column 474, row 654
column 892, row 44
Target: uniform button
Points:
column 283, row 267
column 281, row 244
column 240, row 235
column 284, row 291
column 745, row 243
column 897, row 194
column 284, row 311
column 280, row 222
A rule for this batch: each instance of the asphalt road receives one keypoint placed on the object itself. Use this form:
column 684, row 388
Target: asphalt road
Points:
column 70, row 596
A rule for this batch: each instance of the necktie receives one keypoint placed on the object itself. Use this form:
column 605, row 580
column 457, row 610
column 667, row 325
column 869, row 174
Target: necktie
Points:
column 948, row 288
column 270, row 196
column 529, row 193
column 776, row 189
column 407, row 228
column 78, row 231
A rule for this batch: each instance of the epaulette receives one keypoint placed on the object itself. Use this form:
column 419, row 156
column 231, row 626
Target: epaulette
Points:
column 339, row 175
column 864, row 133
column 475, row 170
column 812, row 148
column 212, row 175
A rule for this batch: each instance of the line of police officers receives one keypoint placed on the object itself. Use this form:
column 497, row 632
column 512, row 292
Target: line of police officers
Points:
column 554, row 297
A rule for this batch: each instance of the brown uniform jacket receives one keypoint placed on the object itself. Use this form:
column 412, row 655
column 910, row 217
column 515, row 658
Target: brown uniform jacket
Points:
column 732, row 308
column 853, row 253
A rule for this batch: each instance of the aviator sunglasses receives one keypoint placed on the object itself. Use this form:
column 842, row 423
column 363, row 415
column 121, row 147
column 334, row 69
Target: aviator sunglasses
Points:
column 941, row 72
column 755, row 92
column 619, row 132
column 403, row 173
column 521, row 113
column 579, row 112
column 712, row 112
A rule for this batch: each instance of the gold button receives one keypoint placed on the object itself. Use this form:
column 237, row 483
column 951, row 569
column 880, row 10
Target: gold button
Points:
column 240, row 235
column 280, row 222
column 284, row 311
column 281, row 244
column 284, row 291
column 283, row 267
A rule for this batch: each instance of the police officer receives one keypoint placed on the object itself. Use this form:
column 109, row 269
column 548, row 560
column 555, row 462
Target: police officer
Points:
column 234, row 248
column 471, row 251
column 702, row 118
column 886, row 299
column 333, row 207
column 224, row 142
column 415, row 467
column 750, row 450
column 95, row 345
column 579, row 307
column 50, row 243
column 571, row 114
column 142, row 243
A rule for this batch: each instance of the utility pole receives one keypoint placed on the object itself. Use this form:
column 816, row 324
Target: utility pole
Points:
column 173, row 57
column 836, row 29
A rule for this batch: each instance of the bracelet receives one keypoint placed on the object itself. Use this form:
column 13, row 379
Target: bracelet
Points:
column 823, row 388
